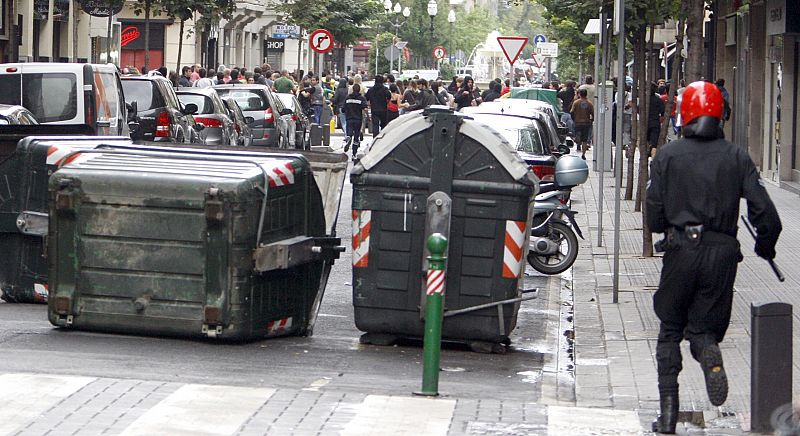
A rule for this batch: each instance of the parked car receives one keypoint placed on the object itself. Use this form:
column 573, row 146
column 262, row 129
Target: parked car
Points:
column 240, row 122
column 301, row 120
column 16, row 115
column 525, row 135
column 554, row 133
column 161, row 116
column 271, row 120
column 525, row 107
column 68, row 93
column 212, row 114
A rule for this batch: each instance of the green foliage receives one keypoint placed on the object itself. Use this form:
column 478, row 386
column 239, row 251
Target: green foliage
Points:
column 384, row 39
column 446, row 71
column 345, row 20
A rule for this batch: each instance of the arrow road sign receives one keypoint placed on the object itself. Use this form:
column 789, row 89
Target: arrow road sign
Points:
column 512, row 46
column 538, row 39
column 321, row 41
column 439, row 52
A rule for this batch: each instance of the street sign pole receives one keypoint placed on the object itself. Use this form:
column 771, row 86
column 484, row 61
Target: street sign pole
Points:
column 619, row 12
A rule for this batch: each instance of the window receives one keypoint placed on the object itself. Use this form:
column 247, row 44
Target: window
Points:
column 50, row 96
column 204, row 105
column 10, row 89
column 143, row 92
column 248, row 100
column 106, row 98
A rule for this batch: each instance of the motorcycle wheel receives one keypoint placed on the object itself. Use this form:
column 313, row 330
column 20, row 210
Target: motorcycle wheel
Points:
column 564, row 258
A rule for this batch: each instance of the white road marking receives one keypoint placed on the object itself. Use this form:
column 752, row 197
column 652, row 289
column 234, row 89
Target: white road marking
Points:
column 578, row 421
column 26, row 396
column 401, row 416
column 201, row 410
column 316, row 384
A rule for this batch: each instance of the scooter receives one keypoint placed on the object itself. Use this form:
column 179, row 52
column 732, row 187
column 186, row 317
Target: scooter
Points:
column 554, row 246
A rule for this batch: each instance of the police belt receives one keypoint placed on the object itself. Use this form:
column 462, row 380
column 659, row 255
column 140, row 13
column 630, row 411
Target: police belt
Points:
column 694, row 235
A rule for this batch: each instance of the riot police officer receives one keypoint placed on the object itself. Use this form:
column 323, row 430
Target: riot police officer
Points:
column 693, row 198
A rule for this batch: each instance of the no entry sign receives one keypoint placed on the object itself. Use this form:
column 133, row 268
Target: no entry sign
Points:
column 321, row 41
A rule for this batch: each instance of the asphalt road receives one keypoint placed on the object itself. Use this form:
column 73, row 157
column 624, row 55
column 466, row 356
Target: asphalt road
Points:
column 332, row 359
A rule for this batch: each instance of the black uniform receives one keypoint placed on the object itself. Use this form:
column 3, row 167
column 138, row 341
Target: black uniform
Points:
column 699, row 180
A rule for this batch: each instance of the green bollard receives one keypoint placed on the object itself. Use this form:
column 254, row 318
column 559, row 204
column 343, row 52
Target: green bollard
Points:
column 437, row 245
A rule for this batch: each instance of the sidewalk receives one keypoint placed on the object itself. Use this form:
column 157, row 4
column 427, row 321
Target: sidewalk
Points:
column 615, row 343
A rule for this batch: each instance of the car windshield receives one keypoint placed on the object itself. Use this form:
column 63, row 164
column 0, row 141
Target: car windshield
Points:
column 142, row 92
column 287, row 100
column 248, row 99
column 204, row 104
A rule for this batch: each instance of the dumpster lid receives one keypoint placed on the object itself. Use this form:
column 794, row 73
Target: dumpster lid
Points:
column 329, row 169
column 411, row 124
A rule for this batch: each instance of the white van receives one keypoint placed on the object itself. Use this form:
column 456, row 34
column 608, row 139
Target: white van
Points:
column 64, row 93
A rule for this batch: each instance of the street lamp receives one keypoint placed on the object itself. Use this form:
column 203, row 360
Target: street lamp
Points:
column 451, row 18
column 433, row 9
column 396, row 9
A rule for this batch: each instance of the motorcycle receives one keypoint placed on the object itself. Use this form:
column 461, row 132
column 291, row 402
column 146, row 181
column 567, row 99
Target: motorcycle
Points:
column 554, row 246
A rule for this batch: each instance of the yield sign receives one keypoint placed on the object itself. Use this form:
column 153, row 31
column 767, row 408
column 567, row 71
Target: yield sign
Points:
column 538, row 60
column 512, row 46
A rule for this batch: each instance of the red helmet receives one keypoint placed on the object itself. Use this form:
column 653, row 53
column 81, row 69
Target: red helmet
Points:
column 701, row 99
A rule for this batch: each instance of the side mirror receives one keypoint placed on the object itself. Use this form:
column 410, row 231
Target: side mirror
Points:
column 287, row 111
column 190, row 109
column 249, row 120
column 133, row 111
column 133, row 126
column 563, row 149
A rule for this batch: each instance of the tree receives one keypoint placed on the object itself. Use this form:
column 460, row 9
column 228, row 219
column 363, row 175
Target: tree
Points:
column 378, row 45
column 212, row 11
column 695, row 19
column 346, row 21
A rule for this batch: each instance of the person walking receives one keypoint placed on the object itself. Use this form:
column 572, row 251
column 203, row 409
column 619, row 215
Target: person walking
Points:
column 582, row 112
column 354, row 108
column 693, row 198
column 317, row 100
column 466, row 94
column 424, row 97
column 393, row 107
column 203, row 81
column 184, row 79
column 378, row 97
column 654, row 118
column 567, row 96
column 726, row 97
column 338, row 101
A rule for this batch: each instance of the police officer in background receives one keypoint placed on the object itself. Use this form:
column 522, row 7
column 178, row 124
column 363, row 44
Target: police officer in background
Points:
column 693, row 197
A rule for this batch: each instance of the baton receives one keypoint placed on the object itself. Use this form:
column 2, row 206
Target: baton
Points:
column 771, row 262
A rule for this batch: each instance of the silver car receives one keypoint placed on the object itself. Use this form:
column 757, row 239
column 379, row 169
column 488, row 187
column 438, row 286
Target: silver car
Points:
column 211, row 113
column 271, row 119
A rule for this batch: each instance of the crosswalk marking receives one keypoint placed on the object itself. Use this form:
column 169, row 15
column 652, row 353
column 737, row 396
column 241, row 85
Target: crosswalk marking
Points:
column 201, row 410
column 401, row 416
column 578, row 421
column 47, row 400
column 26, row 396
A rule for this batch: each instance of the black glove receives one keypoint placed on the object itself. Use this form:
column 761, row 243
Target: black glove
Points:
column 767, row 251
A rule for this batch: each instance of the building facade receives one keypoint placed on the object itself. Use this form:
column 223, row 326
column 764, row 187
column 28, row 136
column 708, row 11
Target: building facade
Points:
column 756, row 49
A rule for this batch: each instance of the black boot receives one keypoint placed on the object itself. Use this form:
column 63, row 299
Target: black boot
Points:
column 668, row 419
column 714, row 372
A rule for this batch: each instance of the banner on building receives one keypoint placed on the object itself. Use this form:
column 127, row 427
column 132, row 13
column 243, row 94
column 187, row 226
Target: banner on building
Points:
column 101, row 8
column 284, row 31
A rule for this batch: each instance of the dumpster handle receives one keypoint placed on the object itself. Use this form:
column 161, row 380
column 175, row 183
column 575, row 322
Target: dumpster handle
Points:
column 487, row 305
column 186, row 156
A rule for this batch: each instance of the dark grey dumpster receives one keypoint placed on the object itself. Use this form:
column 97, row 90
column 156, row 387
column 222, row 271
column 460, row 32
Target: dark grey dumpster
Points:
column 190, row 242
column 440, row 171
column 26, row 163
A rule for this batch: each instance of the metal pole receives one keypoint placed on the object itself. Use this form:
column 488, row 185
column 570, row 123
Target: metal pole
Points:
column 432, row 345
column 377, row 40
column 620, row 13
column 601, row 127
